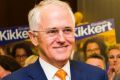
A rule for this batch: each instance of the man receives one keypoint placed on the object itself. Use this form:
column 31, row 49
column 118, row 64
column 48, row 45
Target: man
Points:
column 95, row 45
column 52, row 31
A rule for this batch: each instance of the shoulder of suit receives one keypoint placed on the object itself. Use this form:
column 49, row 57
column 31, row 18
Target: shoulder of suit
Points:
column 86, row 67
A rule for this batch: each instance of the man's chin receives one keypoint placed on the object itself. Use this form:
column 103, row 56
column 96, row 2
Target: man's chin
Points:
column 62, row 59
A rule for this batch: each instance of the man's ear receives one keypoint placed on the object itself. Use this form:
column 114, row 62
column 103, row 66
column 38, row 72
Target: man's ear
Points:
column 33, row 38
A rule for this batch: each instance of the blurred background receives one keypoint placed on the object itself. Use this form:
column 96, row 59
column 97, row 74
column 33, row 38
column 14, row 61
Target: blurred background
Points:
column 14, row 12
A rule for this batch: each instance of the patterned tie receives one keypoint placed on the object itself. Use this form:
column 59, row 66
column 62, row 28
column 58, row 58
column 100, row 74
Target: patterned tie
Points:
column 61, row 74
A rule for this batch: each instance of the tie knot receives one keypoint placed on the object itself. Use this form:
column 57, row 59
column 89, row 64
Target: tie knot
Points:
column 61, row 74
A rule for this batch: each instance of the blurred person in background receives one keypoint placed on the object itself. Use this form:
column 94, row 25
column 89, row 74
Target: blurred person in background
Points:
column 8, row 65
column 20, row 52
column 79, row 18
column 114, row 61
column 96, row 60
column 1, row 51
column 117, row 77
column 95, row 45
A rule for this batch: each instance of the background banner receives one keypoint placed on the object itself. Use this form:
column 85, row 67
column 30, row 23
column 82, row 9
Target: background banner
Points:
column 104, row 30
column 94, row 28
column 16, row 33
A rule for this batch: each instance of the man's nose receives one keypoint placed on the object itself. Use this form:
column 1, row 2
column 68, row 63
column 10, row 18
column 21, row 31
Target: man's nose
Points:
column 61, row 36
column 115, row 59
column 93, row 51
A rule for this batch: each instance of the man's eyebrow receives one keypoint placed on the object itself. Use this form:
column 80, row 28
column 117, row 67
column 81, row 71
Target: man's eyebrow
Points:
column 54, row 28
column 51, row 28
column 67, row 27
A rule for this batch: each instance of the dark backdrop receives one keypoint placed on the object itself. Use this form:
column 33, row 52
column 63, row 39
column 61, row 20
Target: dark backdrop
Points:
column 14, row 12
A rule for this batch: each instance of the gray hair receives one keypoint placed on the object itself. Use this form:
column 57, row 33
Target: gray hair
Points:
column 34, row 14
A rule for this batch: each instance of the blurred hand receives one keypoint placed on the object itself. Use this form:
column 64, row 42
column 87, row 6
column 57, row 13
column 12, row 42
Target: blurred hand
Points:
column 111, row 73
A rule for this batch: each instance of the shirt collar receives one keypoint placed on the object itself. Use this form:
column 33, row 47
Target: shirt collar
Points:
column 50, row 70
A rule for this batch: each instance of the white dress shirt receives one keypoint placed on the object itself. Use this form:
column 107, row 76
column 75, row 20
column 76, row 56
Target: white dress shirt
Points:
column 50, row 70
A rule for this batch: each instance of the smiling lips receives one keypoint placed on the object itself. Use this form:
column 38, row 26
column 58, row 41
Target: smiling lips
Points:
column 61, row 46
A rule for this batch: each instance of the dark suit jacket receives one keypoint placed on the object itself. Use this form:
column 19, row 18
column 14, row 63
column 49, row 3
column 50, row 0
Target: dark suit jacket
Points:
column 79, row 71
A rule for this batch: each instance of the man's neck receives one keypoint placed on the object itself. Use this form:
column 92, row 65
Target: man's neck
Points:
column 57, row 64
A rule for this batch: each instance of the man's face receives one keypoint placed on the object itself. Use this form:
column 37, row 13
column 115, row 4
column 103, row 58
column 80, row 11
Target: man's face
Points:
column 56, row 34
column 114, row 57
column 21, row 56
column 92, row 48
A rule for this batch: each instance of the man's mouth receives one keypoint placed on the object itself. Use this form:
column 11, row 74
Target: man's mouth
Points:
column 61, row 46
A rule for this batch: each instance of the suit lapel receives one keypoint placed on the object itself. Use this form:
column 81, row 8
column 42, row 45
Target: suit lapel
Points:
column 36, row 72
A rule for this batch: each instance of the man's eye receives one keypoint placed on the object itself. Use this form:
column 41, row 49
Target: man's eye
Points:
column 52, row 31
column 68, row 30
column 118, row 56
column 111, row 57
